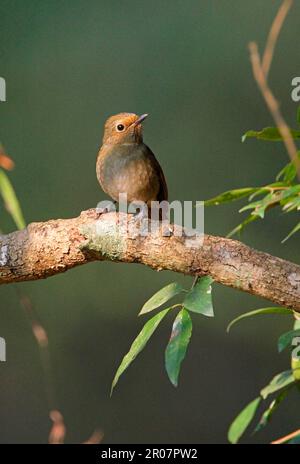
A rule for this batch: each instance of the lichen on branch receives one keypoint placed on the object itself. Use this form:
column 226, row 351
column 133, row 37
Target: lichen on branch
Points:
column 45, row 249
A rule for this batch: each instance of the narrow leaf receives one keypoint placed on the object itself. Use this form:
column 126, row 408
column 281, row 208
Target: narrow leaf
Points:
column 242, row 421
column 291, row 191
column 288, row 173
column 240, row 227
column 139, row 344
column 277, row 383
column 11, row 201
column 270, row 134
column 298, row 115
column 293, row 231
column 260, row 206
column 161, row 297
column 296, row 324
column 177, row 346
column 287, row 338
column 262, row 191
column 295, row 364
column 268, row 413
column 275, row 310
column 199, row 298
column 295, row 360
column 231, row 195
column 290, row 204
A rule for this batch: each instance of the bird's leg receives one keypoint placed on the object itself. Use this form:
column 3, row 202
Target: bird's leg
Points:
column 139, row 209
column 141, row 214
column 161, row 214
column 106, row 206
column 166, row 229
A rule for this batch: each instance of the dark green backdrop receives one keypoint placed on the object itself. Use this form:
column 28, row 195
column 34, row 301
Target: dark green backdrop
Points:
column 68, row 66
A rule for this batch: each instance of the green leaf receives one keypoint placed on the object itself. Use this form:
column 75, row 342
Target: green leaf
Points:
column 231, row 195
column 293, row 231
column 297, row 324
column 161, row 297
column 288, row 173
column 262, row 191
column 286, row 339
column 269, row 133
column 242, row 421
column 277, row 383
column 271, row 310
column 295, row 189
column 291, row 204
column 139, row 344
column 177, row 346
column 199, row 298
column 268, row 413
column 266, row 189
column 11, row 201
column 240, row 227
column 260, row 206
column 298, row 115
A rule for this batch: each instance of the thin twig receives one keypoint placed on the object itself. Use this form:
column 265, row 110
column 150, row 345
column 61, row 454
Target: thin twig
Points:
column 273, row 35
column 95, row 438
column 5, row 161
column 41, row 337
column 260, row 70
column 286, row 438
column 58, row 430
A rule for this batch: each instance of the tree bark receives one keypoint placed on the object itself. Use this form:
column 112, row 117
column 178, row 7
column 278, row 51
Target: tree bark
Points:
column 52, row 247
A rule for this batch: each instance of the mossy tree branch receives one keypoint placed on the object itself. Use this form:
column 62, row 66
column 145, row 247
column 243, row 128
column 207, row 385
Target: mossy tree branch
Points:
column 45, row 249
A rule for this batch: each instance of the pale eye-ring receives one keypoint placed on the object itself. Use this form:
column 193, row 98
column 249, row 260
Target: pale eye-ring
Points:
column 120, row 127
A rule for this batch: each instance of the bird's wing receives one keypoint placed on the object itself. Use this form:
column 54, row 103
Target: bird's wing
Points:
column 163, row 189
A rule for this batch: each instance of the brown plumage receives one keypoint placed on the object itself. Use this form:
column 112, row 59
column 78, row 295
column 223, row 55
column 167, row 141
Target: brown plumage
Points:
column 126, row 165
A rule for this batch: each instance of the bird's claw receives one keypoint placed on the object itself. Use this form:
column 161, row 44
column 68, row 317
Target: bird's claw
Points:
column 166, row 230
column 105, row 207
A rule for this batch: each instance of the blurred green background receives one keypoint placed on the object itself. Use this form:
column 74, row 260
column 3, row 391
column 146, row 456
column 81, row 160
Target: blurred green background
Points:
column 68, row 66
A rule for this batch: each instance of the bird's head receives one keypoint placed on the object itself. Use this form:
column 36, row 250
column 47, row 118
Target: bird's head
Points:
column 123, row 128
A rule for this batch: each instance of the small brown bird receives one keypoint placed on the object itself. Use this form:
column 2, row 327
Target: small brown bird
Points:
column 126, row 165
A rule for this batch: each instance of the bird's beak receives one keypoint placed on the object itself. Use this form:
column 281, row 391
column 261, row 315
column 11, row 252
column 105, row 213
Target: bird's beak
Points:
column 140, row 119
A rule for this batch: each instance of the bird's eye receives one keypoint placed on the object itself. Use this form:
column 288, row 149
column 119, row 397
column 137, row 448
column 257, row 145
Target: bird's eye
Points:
column 120, row 127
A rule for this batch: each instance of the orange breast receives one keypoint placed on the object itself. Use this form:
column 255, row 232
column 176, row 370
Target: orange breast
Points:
column 128, row 169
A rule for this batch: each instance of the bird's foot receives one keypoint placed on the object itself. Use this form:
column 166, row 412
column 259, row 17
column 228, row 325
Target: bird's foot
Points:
column 166, row 229
column 139, row 210
column 105, row 206
column 141, row 215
